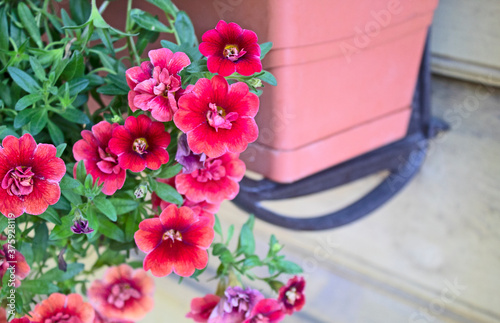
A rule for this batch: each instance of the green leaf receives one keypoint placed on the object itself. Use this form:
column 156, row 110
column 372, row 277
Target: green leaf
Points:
column 148, row 22
column 80, row 10
column 63, row 230
column 74, row 115
column 230, row 233
column 29, row 23
column 218, row 227
column 131, row 226
column 75, row 67
column 252, row 261
column 4, row 26
column 58, row 275
column 111, row 230
column 39, row 287
column 60, row 149
column 289, row 267
column 37, row 68
column 168, row 193
column 28, row 100
column 185, row 29
column 106, row 39
column 38, row 121
column 168, row 44
column 218, row 249
column 123, row 206
column 40, row 242
column 106, row 207
column 171, row 171
column 51, row 215
column 24, row 117
column 55, row 133
column 77, row 85
column 23, row 79
column 268, row 78
column 246, row 244
column 81, row 172
column 72, row 197
column 68, row 183
column 4, row 222
column 166, row 5
column 111, row 89
column 93, row 221
column 264, row 49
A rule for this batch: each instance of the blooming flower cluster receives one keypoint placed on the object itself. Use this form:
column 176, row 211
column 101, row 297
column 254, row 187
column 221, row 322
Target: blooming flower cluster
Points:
column 239, row 305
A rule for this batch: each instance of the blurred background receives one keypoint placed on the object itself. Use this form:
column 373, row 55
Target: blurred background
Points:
column 431, row 253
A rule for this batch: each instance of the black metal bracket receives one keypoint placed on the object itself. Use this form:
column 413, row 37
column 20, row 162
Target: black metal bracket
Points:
column 403, row 159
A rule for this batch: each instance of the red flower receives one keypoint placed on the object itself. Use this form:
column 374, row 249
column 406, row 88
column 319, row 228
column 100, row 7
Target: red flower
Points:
column 140, row 143
column 99, row 161
column 177, row 241
column 291, row 296
column 3, row 317
column 29, row 175
column 123, row 294
column 153, row 84
column 21, row 320
column 202, row 307
column 216, row 182
column 103, row 319
column 218, row 117
column 230, row 48
column 13, row 258
column 266, row 311
column 62, row 308
column 202, row 209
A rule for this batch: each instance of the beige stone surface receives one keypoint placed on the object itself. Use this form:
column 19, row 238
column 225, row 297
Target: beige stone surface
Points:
column 431, row 254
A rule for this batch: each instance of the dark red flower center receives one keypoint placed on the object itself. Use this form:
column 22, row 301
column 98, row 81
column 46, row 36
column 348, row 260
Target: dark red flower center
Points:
column 213, row 171
column 172, row 234
column 233, row 53
column 120, row 293
column 140, row 145
column 218, row 118
column 108, row 163
column 59, row 318
column 18, row 181
column 165, row 82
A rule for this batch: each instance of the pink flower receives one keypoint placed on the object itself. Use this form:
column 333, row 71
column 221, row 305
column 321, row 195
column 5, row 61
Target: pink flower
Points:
column 13, row 258
column 266, row 311
column 202, row 209
column 230, row 48
column 216, row 182
column 235, row 306
column 218, row 117
column 154, row 84
column 62, row 308
column 140, row 143
column 29, row 175
column 103, row 319
column 176, row 241
column 202, row 307
column 123, row 294
column 291, row 296
column 99, row 161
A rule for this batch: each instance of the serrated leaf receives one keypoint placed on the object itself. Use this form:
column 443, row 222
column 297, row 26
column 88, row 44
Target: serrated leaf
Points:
column 23, row 79
column 106, row 207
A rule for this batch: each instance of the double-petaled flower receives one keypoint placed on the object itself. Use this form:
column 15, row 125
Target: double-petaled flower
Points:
column 29, row 175
column 154, row 84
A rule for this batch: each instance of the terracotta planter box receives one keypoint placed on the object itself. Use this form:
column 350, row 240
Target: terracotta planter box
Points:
column 346, row 74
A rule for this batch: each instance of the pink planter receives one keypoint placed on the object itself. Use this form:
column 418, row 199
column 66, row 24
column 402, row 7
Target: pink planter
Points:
column 346, row 73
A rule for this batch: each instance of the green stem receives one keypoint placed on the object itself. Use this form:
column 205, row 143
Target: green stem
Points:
column 134, row 56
